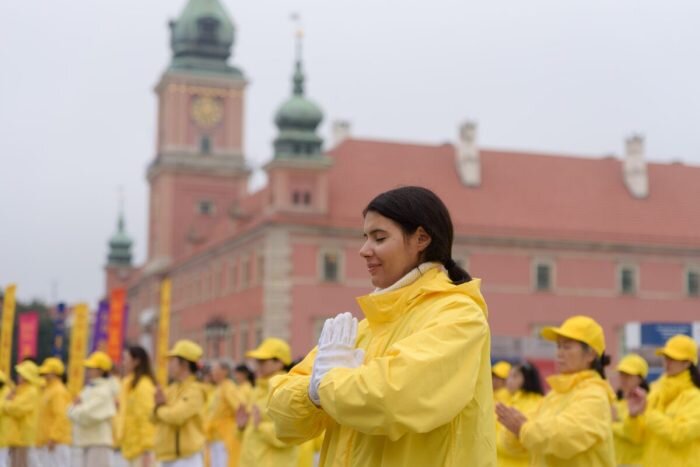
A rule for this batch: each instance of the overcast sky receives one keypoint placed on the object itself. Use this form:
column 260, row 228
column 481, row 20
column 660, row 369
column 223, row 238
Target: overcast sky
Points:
column 77, row 111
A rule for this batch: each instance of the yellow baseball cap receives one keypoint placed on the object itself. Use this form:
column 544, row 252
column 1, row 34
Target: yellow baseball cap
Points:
column 272, row 348
column 99, row 360
column 53, row 366
column 633, row 364
column 30, row 372
column 579, row 328
column 186, row 349
column 501, row 369
column 680, row 347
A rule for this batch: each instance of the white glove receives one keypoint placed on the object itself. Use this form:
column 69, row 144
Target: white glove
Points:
column 336, row 349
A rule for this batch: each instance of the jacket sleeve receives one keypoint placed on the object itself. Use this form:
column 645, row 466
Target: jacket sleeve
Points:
column 143, row 405
column 295, row 417
column 680, row 429
column 58, row 407
column 21, row 405
column 232, row 397
column 422, row 382
column 572, row 430
column 97, row 406
column 184, row 408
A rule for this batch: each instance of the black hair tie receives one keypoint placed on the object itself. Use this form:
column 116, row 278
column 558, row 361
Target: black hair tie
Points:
column 450, row 263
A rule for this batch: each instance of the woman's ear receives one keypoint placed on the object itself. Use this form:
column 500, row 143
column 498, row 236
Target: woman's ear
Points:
column 423, row 239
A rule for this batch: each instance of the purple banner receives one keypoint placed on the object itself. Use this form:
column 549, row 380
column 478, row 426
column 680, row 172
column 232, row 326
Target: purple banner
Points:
column 59, row 332
column 99, row 331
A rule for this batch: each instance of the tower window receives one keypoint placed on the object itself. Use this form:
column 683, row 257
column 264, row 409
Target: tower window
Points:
column 205, row 145
column 693, row 283
column 628, row 280
column 543, row 277
column 205, row 208
column 207, row 28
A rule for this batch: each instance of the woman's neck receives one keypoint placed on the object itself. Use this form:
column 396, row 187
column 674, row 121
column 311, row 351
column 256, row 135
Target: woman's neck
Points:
column 410, row 277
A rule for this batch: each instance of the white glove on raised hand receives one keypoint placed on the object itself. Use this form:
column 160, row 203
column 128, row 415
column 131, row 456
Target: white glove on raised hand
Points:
column 336, row 349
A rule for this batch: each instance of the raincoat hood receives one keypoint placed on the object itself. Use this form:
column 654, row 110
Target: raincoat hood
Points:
column 564, row 383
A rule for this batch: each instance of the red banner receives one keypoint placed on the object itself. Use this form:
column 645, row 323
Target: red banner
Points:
column 115, row 326
column 27, row 335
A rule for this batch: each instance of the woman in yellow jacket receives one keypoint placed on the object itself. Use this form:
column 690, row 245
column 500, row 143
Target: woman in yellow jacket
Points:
column 260, row 446
column 22, row 409
column 411, row 384
column 224, row 446
column 632, row 371
column 499, row 375
column 5, row 388
column 245, row 379
column 525, row 392
column 179, row 411
column 668, row 421
column 572, row 425
column 54, row 435
column 136, row 403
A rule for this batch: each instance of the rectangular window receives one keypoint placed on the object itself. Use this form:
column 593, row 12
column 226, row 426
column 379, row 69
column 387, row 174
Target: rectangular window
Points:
column 233, row 275
column 693, row 283
column 331, row 267
column 245, row 273
column 205, row 207
column 244, row 338
column 543, row 276
column 261, row 268
column 628, row 280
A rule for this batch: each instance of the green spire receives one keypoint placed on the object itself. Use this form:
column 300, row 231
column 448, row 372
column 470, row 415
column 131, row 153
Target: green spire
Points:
column 202, row 37
column 298, row 118
column 119, row 246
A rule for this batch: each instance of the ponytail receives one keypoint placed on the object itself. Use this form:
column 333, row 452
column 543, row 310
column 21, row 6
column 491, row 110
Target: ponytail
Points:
column 600, row 363
column 457, row 274
column 694, row 375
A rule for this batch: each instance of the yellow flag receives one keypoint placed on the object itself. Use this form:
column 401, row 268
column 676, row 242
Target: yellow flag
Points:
column 163, row 334
column 8, row 325
column 78, row 349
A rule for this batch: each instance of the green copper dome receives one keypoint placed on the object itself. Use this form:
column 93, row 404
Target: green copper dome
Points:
column 120, row 246
column 202, row 38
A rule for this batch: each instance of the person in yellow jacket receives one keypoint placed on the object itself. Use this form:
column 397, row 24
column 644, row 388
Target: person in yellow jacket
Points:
column 5, row 389
column 92, row 413
column 632, row 371
column 179, row 411
column 136, row 403
column 54, row 434
column 224, row 446
column 22, row 410
column 668, row 421
column 411, row 384
column 245, row 380
column 260, row 446
column 525, row 392
column 572, row 424
column 499, row 375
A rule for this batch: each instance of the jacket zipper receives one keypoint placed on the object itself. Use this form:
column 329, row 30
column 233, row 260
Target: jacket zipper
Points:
column 177, row 442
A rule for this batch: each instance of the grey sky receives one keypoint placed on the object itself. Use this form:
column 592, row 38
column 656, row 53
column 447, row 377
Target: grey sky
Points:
column 77, row 112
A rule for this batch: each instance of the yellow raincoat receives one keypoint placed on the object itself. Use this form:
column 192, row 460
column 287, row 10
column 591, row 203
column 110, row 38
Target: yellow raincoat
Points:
column 502, row 395
column 628, row 451
column 423, row 396
column 260, row 446
column 180, row 422
column 136, row 431
column 4, row 418
column 670, row 427
column 23, row 415
column 525, row 402
column 572, row 425
column 53, row 414
column 221, row 419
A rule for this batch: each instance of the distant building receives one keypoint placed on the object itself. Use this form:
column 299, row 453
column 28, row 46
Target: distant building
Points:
column 550, row 235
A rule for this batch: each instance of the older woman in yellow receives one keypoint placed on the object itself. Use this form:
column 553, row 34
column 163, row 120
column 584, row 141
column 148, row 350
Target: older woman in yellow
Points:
column 54, row 434
column 136, row 430
column 632, row 371
column 668, row 421
column 22, row 409
column 411, row 384
column 572, row 425
column 179, row 411
column 5, row 388
column 260, row 446
column 524, row 393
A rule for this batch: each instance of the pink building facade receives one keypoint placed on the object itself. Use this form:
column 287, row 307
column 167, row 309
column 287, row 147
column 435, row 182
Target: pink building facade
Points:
column 549, row 235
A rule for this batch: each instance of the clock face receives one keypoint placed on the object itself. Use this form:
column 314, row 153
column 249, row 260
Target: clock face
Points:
column 207, row 111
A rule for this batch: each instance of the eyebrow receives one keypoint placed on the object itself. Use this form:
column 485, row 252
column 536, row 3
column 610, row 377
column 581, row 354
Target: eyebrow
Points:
column 373, row 232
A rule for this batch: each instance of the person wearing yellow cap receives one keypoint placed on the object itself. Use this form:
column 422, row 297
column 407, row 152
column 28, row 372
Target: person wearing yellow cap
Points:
column 22, row 409
column 260, row 446
column 245, row 380
column 5, row 388
column 667, row 422
column 180, row 409
column 54, row 435
column 632, row 371
column 224, row 445
column 136, row 431
column 499, row 373
column 524, row 394
column 92, row 413
column 572, row 425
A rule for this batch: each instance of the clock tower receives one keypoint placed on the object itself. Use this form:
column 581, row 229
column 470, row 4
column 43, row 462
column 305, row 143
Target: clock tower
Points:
column 199, row 171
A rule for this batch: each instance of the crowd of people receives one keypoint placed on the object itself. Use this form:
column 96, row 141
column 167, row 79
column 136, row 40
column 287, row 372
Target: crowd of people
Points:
column 411, row 385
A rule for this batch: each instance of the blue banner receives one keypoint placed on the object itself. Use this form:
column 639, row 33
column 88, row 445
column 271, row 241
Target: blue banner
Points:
column 99, row 331
column 59, row 332
column 656, row 334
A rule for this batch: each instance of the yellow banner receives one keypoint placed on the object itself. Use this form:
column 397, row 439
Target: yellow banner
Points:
column 78, row 348
column 163, row 334
column 8, row 325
